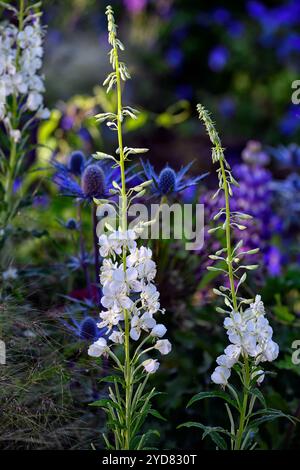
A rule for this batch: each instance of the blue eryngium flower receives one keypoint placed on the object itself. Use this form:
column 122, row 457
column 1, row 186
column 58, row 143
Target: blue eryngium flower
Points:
column 93, row 182
column 96, row 180
column 87, row 329
column 169, row 181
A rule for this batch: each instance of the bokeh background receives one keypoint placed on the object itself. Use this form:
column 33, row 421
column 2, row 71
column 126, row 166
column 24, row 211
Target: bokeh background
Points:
column 237, row 58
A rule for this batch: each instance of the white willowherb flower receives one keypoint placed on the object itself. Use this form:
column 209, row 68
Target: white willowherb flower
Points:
column 151, row 365
column 129, row 289
column 98, row 348
column 21, row 90
column 250, row 334
column 21, row 54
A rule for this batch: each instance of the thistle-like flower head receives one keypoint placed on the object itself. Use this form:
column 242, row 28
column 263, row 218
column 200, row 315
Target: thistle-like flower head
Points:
column 169, row 181
column 96, row 180
column 93, row 182
column 86, row 329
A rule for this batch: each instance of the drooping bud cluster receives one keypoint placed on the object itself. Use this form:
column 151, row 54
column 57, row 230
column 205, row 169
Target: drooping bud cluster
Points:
column 250, row 334
column 131, row 289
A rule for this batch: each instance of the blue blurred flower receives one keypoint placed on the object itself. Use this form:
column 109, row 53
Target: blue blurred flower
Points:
column 235, row 28
column 287, row 157
column 174, row 57
column 287, row 194
column 218, row 58
column 256, row 9
column 227, row 106
column 169, row 181
column 85, row 135
column 75, row 164
column 290, row 122
column 184, row 92
column 289, row 45
column 71, row 224
column 221, row 15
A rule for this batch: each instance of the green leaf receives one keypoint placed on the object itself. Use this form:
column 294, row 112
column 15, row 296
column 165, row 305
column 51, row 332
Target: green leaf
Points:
column 156, row 414
column 104, row 402
column 216, row 394
column 268, row 415
column 212, row 432
column 112, row 379
column 283, row 313
column 257, row 393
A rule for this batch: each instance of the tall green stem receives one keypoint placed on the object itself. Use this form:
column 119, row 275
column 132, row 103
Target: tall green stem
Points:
column 123, row 218
column 243, row 414
column 228, row 235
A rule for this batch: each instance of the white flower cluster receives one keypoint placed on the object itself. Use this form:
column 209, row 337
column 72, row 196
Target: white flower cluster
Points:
column 131, row 290
column 251, row 335
column 20, row 61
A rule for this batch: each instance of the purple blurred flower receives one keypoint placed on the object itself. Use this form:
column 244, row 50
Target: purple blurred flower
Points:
column 135, row 6
column 273, row 260
column 218, row 58
column 67, row 122
column 253, row 154
column 41, row 201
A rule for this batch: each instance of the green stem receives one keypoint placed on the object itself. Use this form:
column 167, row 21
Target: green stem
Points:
column 243, row 413
column 228, row 236
column 123, row 219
